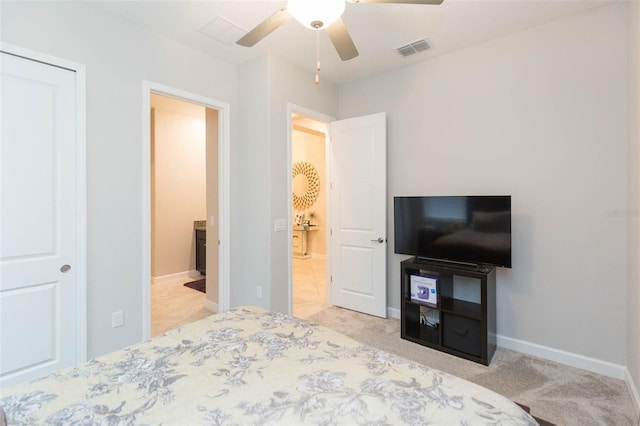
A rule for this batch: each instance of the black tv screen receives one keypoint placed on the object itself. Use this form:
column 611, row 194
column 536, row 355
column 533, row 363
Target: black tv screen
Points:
column 466, row 229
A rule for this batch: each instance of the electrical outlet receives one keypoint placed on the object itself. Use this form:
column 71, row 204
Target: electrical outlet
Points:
column 259, row 292
column 117, row 319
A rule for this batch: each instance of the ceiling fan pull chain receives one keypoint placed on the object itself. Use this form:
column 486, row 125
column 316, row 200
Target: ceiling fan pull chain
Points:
column 317, row 57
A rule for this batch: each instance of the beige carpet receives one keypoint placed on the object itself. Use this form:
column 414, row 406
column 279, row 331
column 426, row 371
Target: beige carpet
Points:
column 554, row 392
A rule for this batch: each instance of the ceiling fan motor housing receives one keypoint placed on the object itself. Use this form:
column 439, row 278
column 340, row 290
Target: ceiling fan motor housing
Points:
column 316, row 14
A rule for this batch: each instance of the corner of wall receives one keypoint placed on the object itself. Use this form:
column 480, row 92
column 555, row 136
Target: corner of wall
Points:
column 632, row 374
column 633, row 390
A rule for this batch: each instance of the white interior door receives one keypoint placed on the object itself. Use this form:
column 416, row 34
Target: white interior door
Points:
column 39, row 326
column 358, row 265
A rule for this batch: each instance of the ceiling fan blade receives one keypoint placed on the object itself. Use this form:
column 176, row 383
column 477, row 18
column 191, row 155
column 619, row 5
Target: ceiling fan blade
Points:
column 341, row 40
column 265, row 28
column 399, row 1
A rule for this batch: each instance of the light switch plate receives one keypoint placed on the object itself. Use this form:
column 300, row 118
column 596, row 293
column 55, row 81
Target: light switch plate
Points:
column 280, row 225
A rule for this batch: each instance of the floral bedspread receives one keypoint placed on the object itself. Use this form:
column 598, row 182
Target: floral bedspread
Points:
column 250, row 366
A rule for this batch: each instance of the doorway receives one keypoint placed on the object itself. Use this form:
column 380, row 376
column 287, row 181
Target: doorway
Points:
column 356, row 178
column 309, row 181
column 179, row 182
column 216, row 211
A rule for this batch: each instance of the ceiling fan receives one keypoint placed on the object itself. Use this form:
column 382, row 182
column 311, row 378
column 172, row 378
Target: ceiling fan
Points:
column 318, row 15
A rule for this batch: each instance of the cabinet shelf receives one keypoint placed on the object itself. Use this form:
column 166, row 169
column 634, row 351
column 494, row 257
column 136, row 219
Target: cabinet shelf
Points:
column 461, row 307
column 420, row 303
column 466, row 327
column 423, row 333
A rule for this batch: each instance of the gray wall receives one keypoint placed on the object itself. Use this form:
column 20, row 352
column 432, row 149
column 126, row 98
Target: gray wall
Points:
column 540, row 115
column 288, row 84
column 250, row 188
column 260, row 256
column 633, row 298
column 118, row 57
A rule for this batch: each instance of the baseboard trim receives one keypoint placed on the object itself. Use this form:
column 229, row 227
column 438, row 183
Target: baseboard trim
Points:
column 211, row 305
column 318, row 256
column 393, row 313
column 568, row 358
column 173, row 277
column 633, row 390
column 605, row 368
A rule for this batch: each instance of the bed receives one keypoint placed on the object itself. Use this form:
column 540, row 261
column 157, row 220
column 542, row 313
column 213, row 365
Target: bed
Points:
column 251, row 366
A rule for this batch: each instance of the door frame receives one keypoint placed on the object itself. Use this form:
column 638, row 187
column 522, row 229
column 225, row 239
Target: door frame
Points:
column 81, row 183
column 318, row 116
column 224, row 201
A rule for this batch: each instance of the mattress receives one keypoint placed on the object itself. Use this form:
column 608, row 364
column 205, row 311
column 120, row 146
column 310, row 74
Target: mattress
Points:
column 251, row 366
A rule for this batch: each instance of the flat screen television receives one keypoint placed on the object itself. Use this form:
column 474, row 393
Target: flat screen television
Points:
column 464, row 229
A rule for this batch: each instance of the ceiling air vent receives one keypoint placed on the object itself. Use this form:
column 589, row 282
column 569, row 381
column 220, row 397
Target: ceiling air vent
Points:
column 223, row 30
column 415, row 47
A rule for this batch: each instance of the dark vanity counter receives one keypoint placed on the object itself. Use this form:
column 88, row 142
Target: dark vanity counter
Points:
column 200, row 228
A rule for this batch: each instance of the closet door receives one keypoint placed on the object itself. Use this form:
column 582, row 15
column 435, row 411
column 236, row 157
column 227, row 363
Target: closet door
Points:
column 41, row 322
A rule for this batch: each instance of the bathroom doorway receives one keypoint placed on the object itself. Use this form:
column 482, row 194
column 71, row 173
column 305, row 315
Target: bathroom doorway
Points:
column 178, row 201
column 309, row 215
column 217, row 130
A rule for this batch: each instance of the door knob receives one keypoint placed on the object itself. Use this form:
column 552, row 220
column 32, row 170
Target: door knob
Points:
column 65, row 268
column 379, row 240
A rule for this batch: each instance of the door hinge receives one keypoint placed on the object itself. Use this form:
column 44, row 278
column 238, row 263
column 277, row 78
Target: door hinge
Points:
column 331, row 278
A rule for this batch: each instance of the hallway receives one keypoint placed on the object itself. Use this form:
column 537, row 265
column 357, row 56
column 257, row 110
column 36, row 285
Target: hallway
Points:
column 309, row 287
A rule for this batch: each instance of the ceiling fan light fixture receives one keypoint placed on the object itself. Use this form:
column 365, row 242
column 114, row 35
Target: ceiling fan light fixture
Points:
column 316, row 14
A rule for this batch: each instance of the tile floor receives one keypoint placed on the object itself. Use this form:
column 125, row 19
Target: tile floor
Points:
column 173, row 304
column 309, row 286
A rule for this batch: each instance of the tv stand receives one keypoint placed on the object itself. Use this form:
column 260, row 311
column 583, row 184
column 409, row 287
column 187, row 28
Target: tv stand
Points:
column 484, row 269
column 461, row 320
column 450, row 263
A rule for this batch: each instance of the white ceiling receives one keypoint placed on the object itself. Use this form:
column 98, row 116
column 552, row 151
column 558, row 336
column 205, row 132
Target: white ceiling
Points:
column 376, row 29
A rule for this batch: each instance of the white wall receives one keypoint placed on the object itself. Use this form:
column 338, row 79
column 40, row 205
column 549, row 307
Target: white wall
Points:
column 118, row 57
column 633, row 297
column 260, row 257
column 540, row 115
